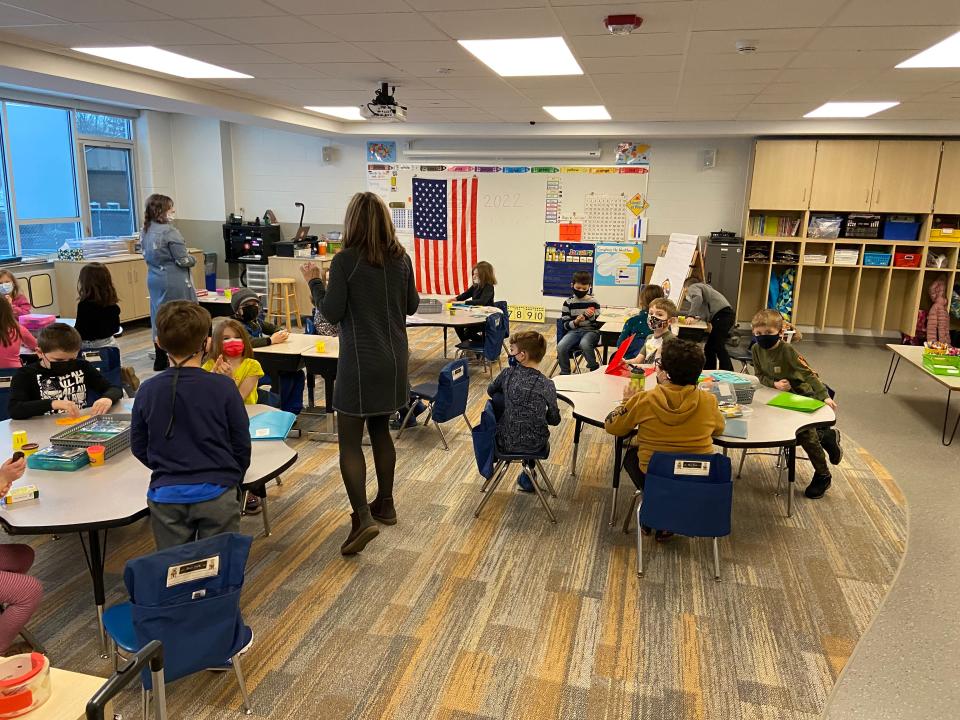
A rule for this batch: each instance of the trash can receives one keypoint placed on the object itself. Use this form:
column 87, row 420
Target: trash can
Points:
column 210, row 270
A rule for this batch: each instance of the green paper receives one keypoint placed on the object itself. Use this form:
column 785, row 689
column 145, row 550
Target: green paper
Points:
column 800, row 403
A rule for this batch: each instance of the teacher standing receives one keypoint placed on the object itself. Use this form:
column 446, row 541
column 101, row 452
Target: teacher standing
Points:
column 370, row 292
column 168, row 263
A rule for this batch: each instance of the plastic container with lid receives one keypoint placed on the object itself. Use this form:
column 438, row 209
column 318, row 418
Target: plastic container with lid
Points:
column 24, row 684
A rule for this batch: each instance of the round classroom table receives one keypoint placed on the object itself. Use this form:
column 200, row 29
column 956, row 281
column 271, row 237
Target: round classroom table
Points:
column 461, row 318
column 594, row 395
column 92, row 499
column 612, row 320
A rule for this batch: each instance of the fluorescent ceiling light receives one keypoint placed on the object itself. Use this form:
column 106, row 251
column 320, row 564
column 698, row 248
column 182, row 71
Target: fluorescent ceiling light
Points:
column 525, row 57
column 945, row 54
column 578, row 112
column 344, row 112
column 850, row 109
column 164, row 61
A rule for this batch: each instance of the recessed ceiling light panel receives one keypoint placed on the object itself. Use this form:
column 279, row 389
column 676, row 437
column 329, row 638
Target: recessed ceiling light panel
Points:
column 164, row 61
column 578, row 112
column 945, row 54
column 525, row 57
column 850, row 109
column 344, row 112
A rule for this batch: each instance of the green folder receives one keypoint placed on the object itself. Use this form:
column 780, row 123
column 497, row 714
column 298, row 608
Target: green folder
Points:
column 801, row 403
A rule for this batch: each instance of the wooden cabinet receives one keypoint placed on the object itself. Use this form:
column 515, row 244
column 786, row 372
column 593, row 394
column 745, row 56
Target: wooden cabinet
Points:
column 141, row 295
column 843, row 175
column 124, row 281
column 129, row 275
column 782, row 174
column 948, row 188
column 906, row 176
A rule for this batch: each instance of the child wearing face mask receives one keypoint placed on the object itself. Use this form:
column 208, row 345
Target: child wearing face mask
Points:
column 232, row 355
column 638, row 325
column 525, row 401
column 191, row 429
column 659, row 314
column 13, row 336
column 579, row 316
column 10, row 291
column 59, row 382
column 674, row 417
column 480, row 293
column 781, row 367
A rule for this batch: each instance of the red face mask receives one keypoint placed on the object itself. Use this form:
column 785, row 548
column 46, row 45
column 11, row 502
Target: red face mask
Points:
column 233, row 347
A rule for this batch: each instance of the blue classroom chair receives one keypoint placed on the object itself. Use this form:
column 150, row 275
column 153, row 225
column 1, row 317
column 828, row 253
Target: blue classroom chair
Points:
column 446, row 399
column 6, row 376
column 492, row 345
column 576, row 355
column 504, row 308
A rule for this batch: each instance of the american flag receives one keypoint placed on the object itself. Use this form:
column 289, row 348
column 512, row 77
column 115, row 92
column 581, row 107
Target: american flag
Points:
column 445, row 234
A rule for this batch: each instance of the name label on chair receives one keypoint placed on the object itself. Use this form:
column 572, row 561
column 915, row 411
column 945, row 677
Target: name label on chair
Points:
column 193, row 570
column 6, row 381
column 457, row 373
column 92, row 356
column 691, row 467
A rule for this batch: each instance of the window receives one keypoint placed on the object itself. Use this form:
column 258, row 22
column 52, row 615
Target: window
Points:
column 6, row 227
column 91, row 124
column 110, row 190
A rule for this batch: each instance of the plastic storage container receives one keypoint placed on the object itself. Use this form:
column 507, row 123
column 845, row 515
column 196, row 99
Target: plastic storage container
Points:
column 951, row 234
column 36, row 321
column 58, row 458
column 111, row 431
column 901, row 227
column 877, row 259
column 24, row 684
column 907, row 259
column 210, row 271
column 862, row 226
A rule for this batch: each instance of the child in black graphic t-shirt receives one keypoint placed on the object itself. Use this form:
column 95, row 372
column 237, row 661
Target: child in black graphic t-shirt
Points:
column 59, row 382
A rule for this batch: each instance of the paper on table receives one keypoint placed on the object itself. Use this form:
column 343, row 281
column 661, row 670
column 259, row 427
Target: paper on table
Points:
column 576, row 383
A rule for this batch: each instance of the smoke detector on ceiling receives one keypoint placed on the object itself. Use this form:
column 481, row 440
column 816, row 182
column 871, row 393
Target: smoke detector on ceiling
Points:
column 746, row 47
column 622, row 24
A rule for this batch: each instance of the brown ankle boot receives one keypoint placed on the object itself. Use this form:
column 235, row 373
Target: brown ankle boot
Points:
column 383, row 511
column 362, row 531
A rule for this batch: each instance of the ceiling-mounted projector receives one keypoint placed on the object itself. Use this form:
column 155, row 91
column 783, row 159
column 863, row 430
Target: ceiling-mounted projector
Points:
column 383, row 107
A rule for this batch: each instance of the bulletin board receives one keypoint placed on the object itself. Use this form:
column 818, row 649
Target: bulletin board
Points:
column 520, row 208
column 560, row 262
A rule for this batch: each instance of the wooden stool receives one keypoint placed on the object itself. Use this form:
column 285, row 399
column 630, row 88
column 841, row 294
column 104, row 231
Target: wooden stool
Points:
column 284, row 310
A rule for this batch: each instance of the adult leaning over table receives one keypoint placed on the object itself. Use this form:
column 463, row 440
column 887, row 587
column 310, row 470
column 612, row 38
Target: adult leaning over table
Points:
column 168, row 263
column 370, row 292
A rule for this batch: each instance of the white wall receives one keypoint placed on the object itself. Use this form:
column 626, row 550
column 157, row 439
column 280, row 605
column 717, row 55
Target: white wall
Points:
column 198, row 168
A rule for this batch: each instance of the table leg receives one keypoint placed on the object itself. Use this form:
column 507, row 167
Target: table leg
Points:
column 577, row 428
column 95, row 563
column 791, row 476
column 617, row 467
column 946, row 422
column 311, row 389
column 445, row 328
column 891, row 371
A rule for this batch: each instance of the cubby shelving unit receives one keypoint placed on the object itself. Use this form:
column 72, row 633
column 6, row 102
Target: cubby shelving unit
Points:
column 796, row 179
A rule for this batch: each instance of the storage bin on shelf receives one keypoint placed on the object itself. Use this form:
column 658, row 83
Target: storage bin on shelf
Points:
column 901, row 227
column 950, row 234
column 862, row 226
column 877, row 259
column 907, row 260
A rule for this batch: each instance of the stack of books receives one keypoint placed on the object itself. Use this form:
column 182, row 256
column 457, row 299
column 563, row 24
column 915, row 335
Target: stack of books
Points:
column 774, row 225
column 846, row 256
column 811, row 258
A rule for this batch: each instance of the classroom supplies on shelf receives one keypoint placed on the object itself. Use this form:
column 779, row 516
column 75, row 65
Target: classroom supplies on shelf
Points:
column 862, row 225
column 907, row 259
column 775, row 225
column 824, row 227
column 846, row 256
column 935, row 260
column 271, row 425
column 814, row 258
column 901, row 227
column 791, row 401
column 877, row 259
column 945, row 227
column 20, row 494
column 111, row 431
column 58, row 458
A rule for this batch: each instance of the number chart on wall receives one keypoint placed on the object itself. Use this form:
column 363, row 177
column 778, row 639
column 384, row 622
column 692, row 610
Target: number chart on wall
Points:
column 512, row 211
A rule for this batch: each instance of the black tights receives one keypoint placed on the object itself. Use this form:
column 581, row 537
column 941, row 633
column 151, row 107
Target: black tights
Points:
column 353, row 465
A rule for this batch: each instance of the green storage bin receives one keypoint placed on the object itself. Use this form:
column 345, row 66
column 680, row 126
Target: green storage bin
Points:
column 948, row 365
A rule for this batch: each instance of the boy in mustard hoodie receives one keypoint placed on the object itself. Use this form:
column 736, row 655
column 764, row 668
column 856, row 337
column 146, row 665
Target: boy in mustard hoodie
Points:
column 675, row 417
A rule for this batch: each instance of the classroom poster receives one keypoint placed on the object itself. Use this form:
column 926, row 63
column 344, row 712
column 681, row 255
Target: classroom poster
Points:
column 618, row 264
column 381, row 151
column 560, row 261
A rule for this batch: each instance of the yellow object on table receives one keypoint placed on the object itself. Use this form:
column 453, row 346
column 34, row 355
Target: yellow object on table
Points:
column 321, row 346
column 18, row 439
column 71, row 420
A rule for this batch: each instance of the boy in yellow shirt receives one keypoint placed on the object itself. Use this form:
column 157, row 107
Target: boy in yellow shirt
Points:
column 675, row 417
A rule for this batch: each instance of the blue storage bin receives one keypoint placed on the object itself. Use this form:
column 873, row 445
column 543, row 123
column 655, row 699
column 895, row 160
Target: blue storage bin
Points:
column 877, row 259
column 894, row 229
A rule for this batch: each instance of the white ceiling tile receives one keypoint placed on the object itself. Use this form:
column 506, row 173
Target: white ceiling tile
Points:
column 630, row 82
column 551, row 97
column 722, row 76
column 327, row 83
column 483, row 24
column 317, row 52
column 388, row 27
column 504, row 98
column 515, row 114
column 12, row 17
column 371, row 72
column 585, row 46
column 337, row 7
column 89, row 10
column 555, row 83
column 642, row 113
column 713, row 114
column 774, row 111
column 658, row 17
column 720, row 91
column 927, row 12
column 164, row 32
column 333, row 98
column 640, row 64
column 430, row 94
column 274, row 71
column 923, row 111
column 873, row 38
column 832, row 59
column 431, row 50
column 461, row 68
column 763, row 14
column 431, row 5
column 902, row 85
column 735, row 61
column 193, row 9
column 795, row 92
column 481, row 84
column 825, row 75
column 226, row 54
column 724, row 41
column 261, row 31
column 74, row 35
column 464, row 115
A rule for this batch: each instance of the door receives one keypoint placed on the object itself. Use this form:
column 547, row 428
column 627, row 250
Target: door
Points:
column 906, row 176
column 948, row 188
column 843, row 175
column 122, row 274
column 782, row 173
column 109, row 173
column 139, row 291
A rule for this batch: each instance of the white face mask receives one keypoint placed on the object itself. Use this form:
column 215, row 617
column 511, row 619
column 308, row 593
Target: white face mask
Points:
column 6, row 288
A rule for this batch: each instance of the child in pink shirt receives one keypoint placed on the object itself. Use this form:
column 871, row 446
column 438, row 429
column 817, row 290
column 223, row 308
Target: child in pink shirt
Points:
column 10, row 292
column 12, row 336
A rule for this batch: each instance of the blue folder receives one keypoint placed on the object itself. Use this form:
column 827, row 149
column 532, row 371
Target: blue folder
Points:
column 271, row 425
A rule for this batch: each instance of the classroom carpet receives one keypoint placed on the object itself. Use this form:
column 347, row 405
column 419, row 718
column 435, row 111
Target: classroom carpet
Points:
column 508, row 616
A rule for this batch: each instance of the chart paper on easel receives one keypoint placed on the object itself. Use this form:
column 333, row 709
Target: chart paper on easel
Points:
column 673, row 267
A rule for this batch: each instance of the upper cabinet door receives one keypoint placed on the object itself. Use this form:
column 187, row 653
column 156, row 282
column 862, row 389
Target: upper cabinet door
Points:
column 843, row 175
column 906, row 176
column 782, row 172
column 948, row 189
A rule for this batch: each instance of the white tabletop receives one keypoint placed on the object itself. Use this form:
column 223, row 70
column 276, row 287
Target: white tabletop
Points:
column 331, row 347
column 593, row 395
column 295, row 344
column 913, row 354
column 107, row 495
column 460, row 318
column 616, row 326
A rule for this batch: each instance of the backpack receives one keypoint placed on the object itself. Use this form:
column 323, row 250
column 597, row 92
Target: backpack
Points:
column 919, row 334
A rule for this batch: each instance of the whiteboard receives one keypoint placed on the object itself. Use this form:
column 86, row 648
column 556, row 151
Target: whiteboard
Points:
column 512, row 222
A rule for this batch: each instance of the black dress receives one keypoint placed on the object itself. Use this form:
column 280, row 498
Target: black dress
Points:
column 371, row 305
